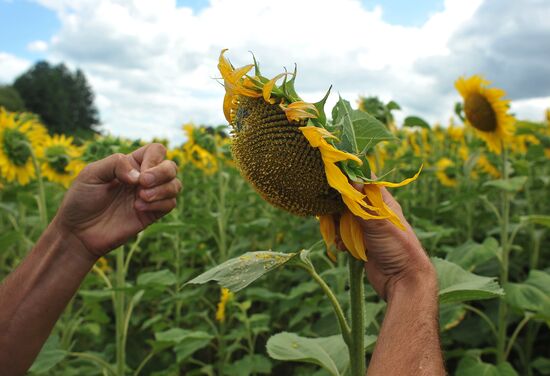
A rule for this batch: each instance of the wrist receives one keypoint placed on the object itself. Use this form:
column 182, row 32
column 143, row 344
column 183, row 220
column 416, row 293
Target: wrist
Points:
column 415, row 282
column 71, row 241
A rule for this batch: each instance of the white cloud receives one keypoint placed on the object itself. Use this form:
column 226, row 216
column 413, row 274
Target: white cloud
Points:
column 10, row 67
column 152, row 64
column 37, row 46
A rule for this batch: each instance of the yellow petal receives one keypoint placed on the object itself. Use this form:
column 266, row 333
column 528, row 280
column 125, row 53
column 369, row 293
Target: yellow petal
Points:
column 352, row 236
column 395, row 185
column 268, row 87
column 326, row 225
column 345, row 233
column 374, row 194
column 300, row 110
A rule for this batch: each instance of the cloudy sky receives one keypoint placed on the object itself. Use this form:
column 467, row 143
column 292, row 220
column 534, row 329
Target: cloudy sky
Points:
column 152, row 64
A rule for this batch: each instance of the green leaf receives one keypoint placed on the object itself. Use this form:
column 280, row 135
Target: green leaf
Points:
column 542, row 365
column 193, row 342
column 471, row 254
column 511, row 185
column 162, row 277
column 329, row 353
column 415, row 121
column 537, row 219
column 369, row 131
column 450, row 315
column 531, row 296
column 187, row 341
column 49, row 356
column 360, row 130
column 458, row 285
column 248, row 365
column 473, row 366
column 239, row 272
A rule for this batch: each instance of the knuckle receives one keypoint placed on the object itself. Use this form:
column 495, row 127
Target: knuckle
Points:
column 159, row 147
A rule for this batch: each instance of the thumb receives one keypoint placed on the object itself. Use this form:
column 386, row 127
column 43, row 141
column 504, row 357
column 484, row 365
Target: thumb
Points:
column 116, row 166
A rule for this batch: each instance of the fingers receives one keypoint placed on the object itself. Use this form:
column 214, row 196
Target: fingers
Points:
column 161, row 173
column 161, row 192
column 162, row 206
column 116, row 166
column 149, row 155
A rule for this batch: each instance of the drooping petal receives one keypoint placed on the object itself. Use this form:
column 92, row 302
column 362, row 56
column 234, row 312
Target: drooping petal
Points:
column 352, row 236
column 326, row 225
column 374, row 194
column 300, row 110
column 268, row 87
column 400, row 184
column 345, row 233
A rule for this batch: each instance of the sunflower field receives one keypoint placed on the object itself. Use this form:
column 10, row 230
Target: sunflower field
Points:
column 480, row 207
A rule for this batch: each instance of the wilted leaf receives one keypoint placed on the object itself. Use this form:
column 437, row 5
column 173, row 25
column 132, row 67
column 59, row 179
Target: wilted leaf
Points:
column 239, row 272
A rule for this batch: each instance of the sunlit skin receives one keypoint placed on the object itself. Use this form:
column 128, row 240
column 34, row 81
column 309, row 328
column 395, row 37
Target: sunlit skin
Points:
column 109, row 202
column 402, row 274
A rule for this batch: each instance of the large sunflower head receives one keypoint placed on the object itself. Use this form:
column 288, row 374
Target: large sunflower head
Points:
column 290, row 153
column 60, row 163
column 486, row 111
column 20, row 135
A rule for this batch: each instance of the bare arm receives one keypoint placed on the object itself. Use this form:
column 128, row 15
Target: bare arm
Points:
column 408, row 343
column 109, row 202
column 33, row 297
column 401, row 272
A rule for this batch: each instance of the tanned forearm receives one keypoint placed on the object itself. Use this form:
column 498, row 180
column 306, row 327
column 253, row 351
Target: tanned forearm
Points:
column 33, row 297
column 408, row 343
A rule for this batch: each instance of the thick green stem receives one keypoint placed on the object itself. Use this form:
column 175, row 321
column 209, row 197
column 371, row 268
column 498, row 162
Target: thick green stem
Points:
column 222, row 216
column 119, row 312
column 357, row 302
column 503, row 307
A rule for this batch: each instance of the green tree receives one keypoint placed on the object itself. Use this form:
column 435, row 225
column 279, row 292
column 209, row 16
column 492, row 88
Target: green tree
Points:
column 10, row 99
column 64, row 100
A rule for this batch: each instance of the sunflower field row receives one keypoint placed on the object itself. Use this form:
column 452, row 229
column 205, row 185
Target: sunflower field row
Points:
column 480, row 207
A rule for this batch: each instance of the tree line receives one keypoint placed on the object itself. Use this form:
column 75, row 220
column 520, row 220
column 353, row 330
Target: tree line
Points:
column 62, row 99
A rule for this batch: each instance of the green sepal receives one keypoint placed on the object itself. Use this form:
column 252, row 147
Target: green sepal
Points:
column 256, row 65
column 288, row 88
column 321, row 120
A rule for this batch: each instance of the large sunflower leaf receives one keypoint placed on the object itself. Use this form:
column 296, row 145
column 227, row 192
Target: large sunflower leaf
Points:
column 474, row 366
column 533, row 295
column 331, row 353
column 239, row 272
column 458, row 285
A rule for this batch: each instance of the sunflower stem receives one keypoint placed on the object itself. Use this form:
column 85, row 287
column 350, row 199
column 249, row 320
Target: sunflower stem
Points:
column 357, row 302
column 505, row 218
column 42, row 208
column 119, row 312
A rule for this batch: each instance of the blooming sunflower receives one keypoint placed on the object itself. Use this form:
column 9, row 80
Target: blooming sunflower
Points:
column 290, row 153
column 20, row 134
column 60, row 163
column 486, row 166
column 486, row 111
column 443, row 166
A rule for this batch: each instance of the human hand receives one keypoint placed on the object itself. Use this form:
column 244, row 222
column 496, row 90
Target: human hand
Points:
column 395, row 257
column 115, row 198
